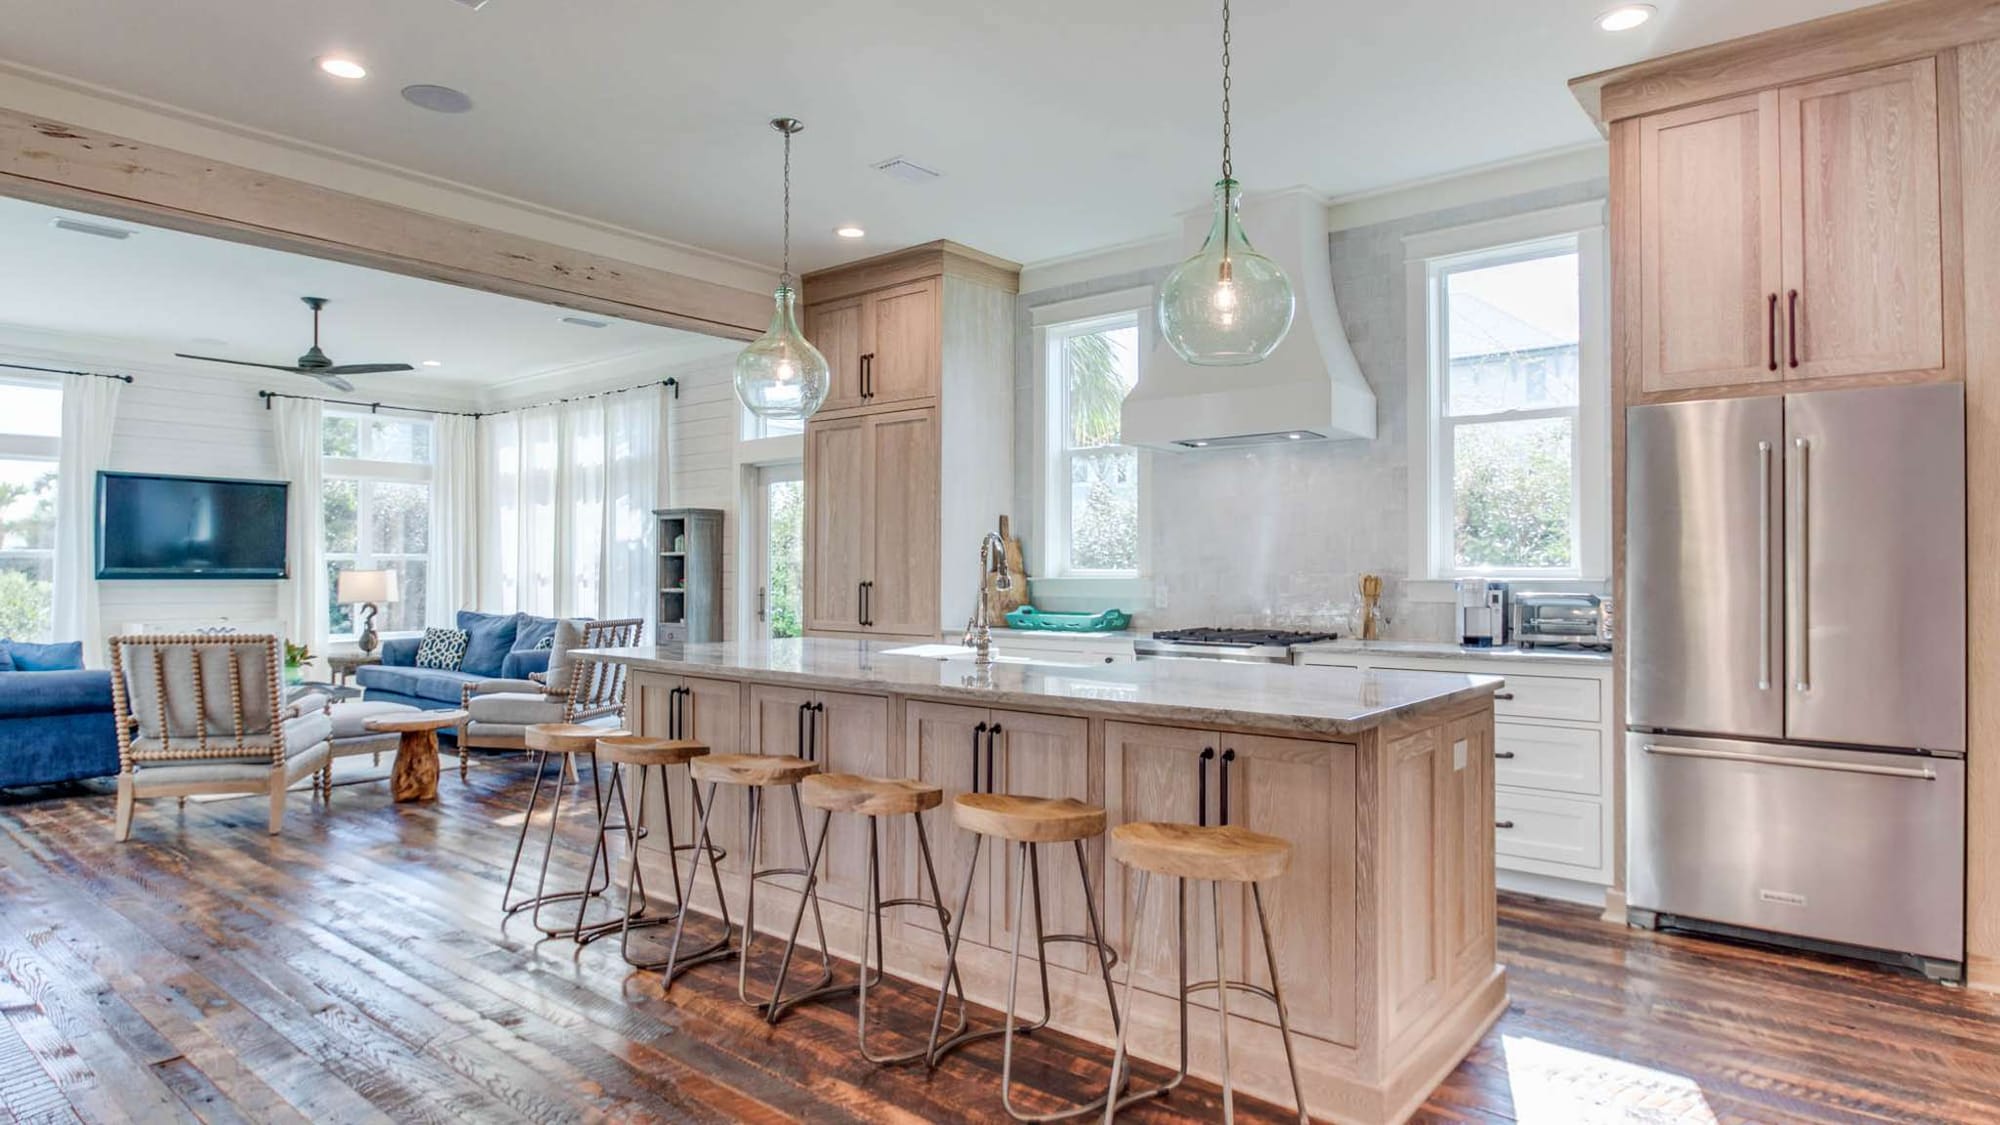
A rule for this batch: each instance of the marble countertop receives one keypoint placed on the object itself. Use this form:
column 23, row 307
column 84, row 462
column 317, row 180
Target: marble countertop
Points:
column 1445, row 650
column 1316, row 701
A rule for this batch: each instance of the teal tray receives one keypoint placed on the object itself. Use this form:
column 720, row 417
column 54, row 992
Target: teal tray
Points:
column 1107, row 621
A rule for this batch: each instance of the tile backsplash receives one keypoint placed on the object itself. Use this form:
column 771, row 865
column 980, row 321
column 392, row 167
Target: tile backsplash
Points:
column 1279, row 535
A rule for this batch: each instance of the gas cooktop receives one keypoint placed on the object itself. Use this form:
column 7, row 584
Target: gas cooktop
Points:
column 1241, row 636
column 1264, row 646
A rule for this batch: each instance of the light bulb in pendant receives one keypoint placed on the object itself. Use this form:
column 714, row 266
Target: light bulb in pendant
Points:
column 1227, row 305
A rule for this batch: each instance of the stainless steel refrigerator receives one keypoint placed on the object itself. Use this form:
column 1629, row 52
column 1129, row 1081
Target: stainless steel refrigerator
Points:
column 1795, row 633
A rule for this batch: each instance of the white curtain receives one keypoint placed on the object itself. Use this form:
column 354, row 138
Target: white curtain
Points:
column 89, row 411
column 454, row 533
column 303, row 602
column 568, row 494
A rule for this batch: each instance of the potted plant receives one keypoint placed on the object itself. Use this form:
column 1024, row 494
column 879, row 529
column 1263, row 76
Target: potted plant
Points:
column 296, row 659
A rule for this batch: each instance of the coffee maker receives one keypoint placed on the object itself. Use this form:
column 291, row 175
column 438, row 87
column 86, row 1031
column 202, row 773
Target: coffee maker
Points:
column 1482, row 612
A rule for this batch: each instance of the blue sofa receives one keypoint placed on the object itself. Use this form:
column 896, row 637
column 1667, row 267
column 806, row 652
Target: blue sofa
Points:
column 501, row 646
column 55, row 717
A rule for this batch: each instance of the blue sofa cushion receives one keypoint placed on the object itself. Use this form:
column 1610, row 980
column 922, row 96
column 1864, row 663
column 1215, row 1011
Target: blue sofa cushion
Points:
column 435, row 684
column 491, row 637
column 27, row 695
column 523, row 661
column 6, row 657
column 401, row 652
column 531, row 632
column 26, row 656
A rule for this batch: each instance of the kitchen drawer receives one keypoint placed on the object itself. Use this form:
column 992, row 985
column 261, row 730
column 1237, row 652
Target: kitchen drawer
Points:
column 1550, row 697
column 1537, row 756
column 1548, row 829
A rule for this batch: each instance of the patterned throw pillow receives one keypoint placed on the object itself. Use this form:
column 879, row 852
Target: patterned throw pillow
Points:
column 546, row 643
column 443, row 648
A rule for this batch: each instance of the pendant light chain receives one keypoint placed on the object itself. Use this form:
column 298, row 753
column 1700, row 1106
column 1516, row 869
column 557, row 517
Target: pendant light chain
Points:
column 1228, row 170
column 786, row 275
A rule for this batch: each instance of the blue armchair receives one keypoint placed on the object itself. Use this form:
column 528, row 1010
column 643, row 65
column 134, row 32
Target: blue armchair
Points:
column 56, row 726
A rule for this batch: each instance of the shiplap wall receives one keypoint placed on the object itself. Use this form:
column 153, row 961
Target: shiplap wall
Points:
column 701, row 449
column 196, row 425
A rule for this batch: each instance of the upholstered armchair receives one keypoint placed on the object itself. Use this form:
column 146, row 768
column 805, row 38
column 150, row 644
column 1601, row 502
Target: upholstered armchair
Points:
column 207, row 714
column 571, row 691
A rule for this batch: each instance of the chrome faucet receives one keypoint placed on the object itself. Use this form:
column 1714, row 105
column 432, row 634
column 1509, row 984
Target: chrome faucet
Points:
column 978, row 631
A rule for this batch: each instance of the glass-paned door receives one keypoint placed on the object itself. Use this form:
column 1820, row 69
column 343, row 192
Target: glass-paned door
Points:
column 781, row 511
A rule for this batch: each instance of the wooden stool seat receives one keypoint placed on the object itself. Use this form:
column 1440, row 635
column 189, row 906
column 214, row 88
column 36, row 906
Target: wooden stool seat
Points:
column 642, row 750
column 1028, row 820
column 752, row 769
column 1185, row 851
column 565, row 738
column 869, row 796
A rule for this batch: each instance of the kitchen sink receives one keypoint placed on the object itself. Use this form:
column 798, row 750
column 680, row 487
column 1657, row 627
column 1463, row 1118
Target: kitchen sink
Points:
column 961, row 653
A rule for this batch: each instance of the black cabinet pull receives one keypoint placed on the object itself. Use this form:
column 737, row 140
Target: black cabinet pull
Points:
column 976, row 732
column 1792, row 325
column 675, row 723
column 805, row 709
column 1503, row 824
column 1228, row 756
column 816, row 716
column 1201, row 791
column 1503, row 754
column 868, row 375
column 1772, row 327
column 1503, row 695
column 991, row 732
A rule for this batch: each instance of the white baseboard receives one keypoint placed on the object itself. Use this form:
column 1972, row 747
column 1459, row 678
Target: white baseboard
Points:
column 1594, row 895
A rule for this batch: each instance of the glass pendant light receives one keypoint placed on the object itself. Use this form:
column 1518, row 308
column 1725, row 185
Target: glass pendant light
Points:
column 1228, row 305
column 780, row 374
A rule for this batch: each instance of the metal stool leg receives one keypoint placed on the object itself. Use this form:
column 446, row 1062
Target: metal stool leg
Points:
column 673, row 869
column 600, row 804
column 1125, row 1026
column 937, row 1050
column 779, row 1003
column 635, row 905
column 874, row 916
column 1222, row 999
column 720, row 948
column 1034, row 879
column 1278, row 997
column 507, row 904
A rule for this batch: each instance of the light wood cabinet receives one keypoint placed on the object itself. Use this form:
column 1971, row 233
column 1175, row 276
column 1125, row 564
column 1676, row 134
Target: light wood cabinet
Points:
column 836, row 329
column 1793, row 234
column 913, row 447
column 710, row 711
column 844, row 733
column 1863, row 238
column 1278, row 785
column 1710, row 255
column 872, row 523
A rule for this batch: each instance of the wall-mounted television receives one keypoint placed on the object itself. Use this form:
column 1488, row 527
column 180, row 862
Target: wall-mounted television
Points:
column 153, row 526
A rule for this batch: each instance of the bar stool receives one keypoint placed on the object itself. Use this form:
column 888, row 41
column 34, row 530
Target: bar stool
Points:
column 874, row 798
column 646, row 755
column 1027, row 822
column 560, row 742
column 755, row 773
column 1226, row 854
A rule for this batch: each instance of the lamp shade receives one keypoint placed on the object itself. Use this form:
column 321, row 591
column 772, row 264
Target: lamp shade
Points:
column 358, row 586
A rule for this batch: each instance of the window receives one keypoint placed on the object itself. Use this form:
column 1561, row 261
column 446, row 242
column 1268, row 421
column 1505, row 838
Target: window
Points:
column 377, row 511
column 30, row 428
column 1509, row 458
column 1091, row 479
column 780, row 514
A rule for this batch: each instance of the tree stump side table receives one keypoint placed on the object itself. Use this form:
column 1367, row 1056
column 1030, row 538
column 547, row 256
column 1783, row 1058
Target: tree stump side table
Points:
column 415, row 776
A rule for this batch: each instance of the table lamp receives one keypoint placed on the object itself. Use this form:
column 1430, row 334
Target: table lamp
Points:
column 367, row 589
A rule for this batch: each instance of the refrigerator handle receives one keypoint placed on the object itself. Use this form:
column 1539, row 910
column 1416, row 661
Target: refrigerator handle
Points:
column 1764, row 562
column 1919, row 773
column 1801, row 554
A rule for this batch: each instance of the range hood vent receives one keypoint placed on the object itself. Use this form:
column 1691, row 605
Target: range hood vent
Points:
column 1310, row 387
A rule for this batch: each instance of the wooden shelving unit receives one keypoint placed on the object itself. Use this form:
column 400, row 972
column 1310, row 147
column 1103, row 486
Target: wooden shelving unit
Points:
column 690, row 575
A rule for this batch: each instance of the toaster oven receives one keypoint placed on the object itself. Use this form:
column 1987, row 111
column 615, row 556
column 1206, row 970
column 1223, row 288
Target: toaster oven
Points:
column 1561, row 619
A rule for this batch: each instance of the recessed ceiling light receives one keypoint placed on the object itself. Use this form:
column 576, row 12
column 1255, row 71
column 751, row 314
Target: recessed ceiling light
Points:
column 1296, row 437
column 1625, row 17
column 342, row 67
column 584, row 322
column 849, row 230
column 437, row 99
column 433, row 363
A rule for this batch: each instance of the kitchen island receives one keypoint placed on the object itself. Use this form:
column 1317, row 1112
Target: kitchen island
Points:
column 1382, row 781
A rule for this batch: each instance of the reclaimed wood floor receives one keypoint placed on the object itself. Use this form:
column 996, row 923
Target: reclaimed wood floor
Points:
column 356, row 969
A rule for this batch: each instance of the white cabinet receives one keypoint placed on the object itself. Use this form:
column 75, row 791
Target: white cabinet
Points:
column 1554, row 819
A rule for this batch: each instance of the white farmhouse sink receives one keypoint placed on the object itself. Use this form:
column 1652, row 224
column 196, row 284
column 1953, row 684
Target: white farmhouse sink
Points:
column 943, row 652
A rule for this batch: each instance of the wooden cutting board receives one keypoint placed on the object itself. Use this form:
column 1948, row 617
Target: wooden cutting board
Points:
column 999, row 603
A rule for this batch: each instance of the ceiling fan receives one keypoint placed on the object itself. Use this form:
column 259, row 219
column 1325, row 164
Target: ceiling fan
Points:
column 314, row 364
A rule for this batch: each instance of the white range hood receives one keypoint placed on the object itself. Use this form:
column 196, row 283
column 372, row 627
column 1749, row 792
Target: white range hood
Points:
column 1309, row 387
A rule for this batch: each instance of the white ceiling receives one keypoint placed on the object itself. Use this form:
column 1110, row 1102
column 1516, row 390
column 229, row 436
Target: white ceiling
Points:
column 160, row 292
column 1060, row 125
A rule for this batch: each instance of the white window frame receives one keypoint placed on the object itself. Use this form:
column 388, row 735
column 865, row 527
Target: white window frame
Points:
column 1429, row 258
column 362, row 469
column 1053, row 322
column 32, row 447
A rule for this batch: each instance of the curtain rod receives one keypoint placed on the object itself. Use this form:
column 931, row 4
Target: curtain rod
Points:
column 61, row 371
column 376, row 407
